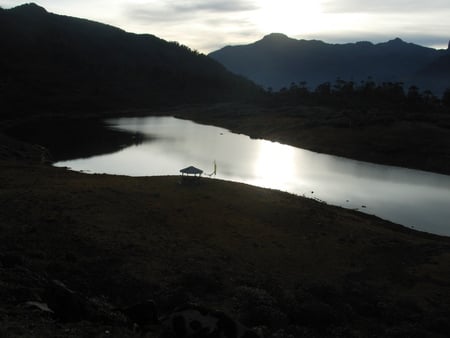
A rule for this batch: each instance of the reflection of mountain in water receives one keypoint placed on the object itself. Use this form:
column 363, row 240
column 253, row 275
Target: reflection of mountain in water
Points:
column 70, row 139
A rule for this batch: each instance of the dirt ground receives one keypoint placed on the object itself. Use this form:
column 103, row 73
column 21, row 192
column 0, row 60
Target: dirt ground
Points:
column 287, row 265
column 291, row 266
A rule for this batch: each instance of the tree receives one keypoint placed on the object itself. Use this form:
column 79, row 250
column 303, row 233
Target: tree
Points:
column 393, row 91
column 413, row 97
column 429, row 98
column 446, row 98
column 324, row 89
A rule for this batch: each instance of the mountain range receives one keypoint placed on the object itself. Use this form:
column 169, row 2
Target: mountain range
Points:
column 277, row 60
column 58, row 63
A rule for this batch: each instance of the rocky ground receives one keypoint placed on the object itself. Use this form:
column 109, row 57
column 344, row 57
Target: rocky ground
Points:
column 272, row 260
column 77, row 249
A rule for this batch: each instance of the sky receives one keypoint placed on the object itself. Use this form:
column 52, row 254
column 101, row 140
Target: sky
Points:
column 207, row 25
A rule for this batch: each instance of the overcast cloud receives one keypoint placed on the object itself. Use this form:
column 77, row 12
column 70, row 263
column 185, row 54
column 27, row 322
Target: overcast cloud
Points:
column 384, row 6
column 213, row 6
column 206, row 25
column 200, row 10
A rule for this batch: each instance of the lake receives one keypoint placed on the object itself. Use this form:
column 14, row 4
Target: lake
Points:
column 416, row 199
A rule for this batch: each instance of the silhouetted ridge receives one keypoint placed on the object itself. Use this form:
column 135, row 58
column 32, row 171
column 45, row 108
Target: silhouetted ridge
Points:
column 436, row 74
column 366, row 44
column 278, row 61
column 277, row 40
column 276, row 37
column 54, row 62
column 396, row 41
column 29, row 8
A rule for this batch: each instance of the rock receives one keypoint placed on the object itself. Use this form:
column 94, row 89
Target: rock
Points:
column 143, row 314
column 192, row 320
column 39, row 305
column 68, row 305
column 10, row 261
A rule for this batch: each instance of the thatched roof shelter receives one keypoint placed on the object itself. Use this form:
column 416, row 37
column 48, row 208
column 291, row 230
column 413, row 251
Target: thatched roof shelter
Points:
column 191, row 171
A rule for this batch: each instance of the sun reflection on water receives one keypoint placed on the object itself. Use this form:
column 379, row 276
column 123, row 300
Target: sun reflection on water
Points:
column 274, row 166
column 405, row 196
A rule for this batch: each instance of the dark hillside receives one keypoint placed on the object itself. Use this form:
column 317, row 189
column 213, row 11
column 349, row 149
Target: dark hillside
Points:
column 57, row 62
column 436, row 76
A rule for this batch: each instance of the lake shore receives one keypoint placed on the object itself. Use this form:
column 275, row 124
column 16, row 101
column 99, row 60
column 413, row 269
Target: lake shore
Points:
column 283, row 263
column 271, row 259
column 413, row 141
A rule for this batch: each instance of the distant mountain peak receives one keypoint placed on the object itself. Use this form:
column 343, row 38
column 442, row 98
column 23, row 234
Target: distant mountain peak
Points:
column 30, row 8
column 276, row 36
column 277, row 60
column 396, row 41
column 277, row 40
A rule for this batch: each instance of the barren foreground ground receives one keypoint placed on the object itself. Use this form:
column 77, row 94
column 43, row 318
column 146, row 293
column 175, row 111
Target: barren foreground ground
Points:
column 291, row 266
column 271, row 259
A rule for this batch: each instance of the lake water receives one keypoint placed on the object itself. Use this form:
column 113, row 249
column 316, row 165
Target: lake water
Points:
column 413, row 198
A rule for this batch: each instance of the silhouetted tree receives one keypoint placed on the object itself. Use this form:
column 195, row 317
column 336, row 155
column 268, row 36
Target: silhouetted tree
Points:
column 303, row 90
column 446, row 98
column 361, row 99
column 429, row 98
column 414, row 99
column 338, row 84
column 324, row 89
column 293, row 87
column 392, row 92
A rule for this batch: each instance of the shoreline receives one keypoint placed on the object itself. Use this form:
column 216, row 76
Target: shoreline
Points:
column 413, row 144
column 217, row 243
column 273, row 260
column 351, row 191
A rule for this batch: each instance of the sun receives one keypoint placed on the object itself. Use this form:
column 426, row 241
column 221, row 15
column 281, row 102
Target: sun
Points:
column 291, row 17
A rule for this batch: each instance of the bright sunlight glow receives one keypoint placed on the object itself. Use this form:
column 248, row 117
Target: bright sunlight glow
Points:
column 289, row 16
column 275, row 164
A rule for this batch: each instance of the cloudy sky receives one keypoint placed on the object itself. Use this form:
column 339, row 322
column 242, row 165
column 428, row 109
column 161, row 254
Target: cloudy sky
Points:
column 207, row 25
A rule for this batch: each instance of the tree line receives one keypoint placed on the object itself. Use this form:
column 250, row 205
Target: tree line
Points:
column 365, row 94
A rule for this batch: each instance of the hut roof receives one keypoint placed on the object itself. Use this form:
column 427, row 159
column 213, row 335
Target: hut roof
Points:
column 191, row 171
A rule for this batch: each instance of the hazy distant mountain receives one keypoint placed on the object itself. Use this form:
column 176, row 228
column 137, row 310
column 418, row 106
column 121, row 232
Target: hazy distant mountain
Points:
column 436, row 75
column 55, row 62
column 277, row 60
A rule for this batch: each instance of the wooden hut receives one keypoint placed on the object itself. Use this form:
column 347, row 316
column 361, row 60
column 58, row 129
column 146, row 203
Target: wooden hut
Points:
column 191, row 171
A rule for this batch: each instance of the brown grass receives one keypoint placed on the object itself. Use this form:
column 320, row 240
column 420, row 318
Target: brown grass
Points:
column 325, row 269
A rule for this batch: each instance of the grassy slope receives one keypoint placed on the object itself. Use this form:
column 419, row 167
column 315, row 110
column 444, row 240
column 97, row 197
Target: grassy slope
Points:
column 133, row 238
